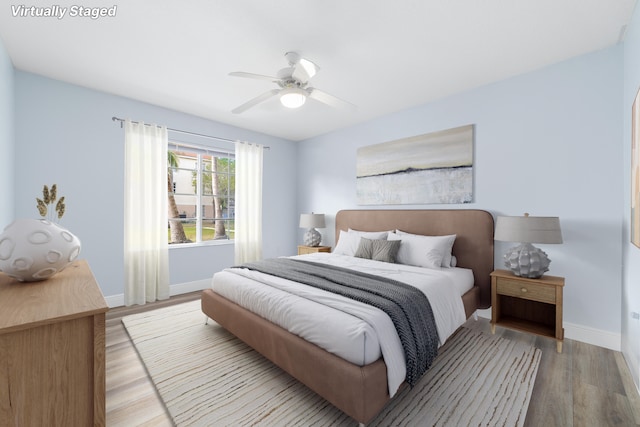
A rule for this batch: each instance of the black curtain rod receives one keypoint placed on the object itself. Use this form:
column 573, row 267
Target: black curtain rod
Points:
column 117, row 119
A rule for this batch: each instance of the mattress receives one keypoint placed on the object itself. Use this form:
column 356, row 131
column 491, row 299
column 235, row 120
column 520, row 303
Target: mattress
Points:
column 354, row 331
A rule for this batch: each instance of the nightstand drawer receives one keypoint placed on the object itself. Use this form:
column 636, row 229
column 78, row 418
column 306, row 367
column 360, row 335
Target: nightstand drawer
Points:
column 534, row 292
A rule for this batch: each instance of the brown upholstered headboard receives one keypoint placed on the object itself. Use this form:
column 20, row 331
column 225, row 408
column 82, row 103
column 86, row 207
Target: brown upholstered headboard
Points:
column 474, row 229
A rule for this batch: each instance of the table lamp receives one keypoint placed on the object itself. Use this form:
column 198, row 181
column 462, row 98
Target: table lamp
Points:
column 312, row 221
column 525, row 260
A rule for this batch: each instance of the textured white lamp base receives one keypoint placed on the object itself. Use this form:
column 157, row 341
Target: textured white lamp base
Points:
column 312, row 237
column 527, row 261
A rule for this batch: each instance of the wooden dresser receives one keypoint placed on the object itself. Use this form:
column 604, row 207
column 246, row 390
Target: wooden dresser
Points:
column 52, row 350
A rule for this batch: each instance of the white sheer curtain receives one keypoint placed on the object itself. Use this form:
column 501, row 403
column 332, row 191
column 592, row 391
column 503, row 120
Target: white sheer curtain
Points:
column 146, row 255
column 248, row 215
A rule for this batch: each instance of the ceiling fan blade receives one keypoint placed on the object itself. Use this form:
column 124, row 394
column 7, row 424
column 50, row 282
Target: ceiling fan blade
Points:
column 255, row 101
column 254, row 76
column 304, row 69
column 330, row 100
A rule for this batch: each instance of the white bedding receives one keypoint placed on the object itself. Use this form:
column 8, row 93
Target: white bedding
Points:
column 354, row 331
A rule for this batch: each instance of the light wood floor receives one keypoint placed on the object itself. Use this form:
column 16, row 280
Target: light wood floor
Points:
column 584, row 386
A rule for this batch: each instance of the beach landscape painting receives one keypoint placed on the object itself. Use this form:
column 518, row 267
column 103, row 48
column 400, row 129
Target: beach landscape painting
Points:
column 432, row 168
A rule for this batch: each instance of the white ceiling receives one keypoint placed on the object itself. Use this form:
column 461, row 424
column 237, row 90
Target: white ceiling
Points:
column 381, row 55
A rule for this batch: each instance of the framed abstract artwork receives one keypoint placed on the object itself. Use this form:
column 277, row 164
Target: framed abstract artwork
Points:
column 431, row 168
column 635, row 171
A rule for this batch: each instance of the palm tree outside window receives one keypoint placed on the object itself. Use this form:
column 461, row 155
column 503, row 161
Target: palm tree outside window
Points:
column 201, row 191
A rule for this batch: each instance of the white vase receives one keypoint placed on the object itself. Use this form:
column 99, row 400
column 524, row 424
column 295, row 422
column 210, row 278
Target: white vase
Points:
column 36, row 249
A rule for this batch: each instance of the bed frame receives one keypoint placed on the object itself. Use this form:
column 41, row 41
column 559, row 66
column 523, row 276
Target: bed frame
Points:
column 361, row 391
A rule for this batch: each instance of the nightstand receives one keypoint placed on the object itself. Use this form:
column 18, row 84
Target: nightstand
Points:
column 530, row 305
column 302, row 250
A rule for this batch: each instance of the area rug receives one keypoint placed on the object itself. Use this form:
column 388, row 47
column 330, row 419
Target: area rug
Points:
column 207, row 377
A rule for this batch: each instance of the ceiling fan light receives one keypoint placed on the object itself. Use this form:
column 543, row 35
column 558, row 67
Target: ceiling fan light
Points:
column 293, row 98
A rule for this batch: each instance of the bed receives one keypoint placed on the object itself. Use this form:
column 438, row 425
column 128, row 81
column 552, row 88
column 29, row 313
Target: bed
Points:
column 362, row 391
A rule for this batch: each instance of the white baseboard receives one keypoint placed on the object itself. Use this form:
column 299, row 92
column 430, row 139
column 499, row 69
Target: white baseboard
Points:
column 179, row 289
column 606, row 339
column 115, row 300
column 184, row 288
column 582, row 333
column 484, row 313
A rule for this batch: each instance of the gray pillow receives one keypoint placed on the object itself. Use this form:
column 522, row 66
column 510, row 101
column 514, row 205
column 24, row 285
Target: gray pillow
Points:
column 378, row 250
column 365, row 248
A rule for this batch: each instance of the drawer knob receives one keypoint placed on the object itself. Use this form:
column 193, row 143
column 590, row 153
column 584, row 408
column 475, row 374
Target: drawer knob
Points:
column 524, row 290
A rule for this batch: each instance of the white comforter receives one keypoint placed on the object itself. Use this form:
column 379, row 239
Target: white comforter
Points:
column 352, row 330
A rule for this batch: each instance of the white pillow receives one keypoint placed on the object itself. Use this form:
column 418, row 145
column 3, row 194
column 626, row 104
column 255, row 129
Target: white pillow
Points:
column 347, row 244
column 447, row 241
column 373, row 235
column 348, row 241
column 424, row 251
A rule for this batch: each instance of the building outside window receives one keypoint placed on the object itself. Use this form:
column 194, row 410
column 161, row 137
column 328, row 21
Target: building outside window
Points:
column 201, row 190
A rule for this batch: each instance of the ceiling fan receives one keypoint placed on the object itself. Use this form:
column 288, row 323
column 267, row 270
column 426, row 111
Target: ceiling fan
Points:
column 293, row 86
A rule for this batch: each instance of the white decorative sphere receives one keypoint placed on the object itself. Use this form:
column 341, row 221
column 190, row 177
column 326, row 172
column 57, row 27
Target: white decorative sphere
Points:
column 36, row 249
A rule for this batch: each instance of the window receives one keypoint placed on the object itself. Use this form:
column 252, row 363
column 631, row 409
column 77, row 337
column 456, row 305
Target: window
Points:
column 201, row 190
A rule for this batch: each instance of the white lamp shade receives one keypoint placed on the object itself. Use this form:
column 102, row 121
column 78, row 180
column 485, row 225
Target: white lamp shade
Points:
column 293, row 97
column 528, row 229
column 312, row 220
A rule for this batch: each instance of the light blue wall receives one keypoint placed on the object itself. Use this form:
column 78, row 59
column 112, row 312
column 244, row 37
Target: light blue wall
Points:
column 6, row 139
column 546, row 143
column 65, row 135
column 631, row 254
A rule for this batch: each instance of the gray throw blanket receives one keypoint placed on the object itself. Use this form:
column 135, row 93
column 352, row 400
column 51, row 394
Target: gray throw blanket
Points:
column 407, row 306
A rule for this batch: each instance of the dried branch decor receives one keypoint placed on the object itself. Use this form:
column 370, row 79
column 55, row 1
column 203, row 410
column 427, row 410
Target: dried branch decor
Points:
column 47, row 203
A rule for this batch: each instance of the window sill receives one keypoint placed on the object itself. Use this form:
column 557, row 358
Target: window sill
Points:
column 202, row 244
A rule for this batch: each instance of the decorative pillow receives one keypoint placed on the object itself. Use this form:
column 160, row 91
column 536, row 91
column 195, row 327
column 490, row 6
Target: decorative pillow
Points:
column 378, row 250
column 348, row 241
column 442, row 243
column 385, row 250
column 365, row 248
